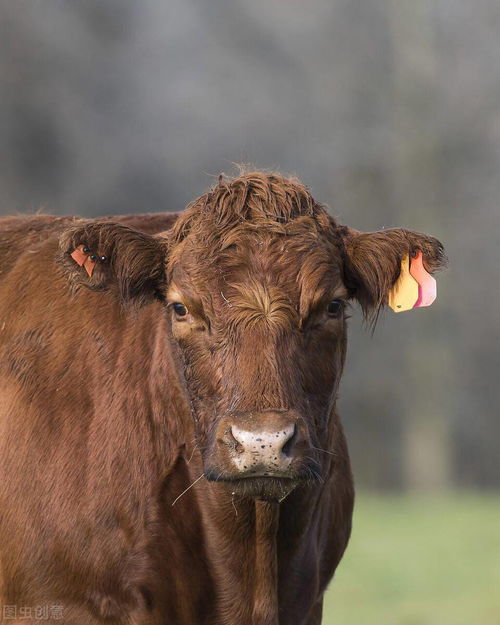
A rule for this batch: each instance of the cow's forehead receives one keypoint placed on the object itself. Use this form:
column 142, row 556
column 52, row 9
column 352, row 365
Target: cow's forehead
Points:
column 298, row 264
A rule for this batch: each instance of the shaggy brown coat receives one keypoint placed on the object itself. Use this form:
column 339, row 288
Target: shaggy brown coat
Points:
column 111, row 405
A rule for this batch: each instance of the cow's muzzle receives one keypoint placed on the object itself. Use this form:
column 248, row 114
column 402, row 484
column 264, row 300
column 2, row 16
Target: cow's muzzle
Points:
column 261, row 444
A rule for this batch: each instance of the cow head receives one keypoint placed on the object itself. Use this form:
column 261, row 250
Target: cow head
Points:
column 256, row 278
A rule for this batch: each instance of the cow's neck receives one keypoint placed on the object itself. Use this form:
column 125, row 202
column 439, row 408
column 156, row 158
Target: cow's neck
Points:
column 265, row 600
column 243, row 551
column 242, row 546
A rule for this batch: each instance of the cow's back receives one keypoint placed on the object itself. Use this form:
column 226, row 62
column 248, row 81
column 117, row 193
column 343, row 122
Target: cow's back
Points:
column 75, row 485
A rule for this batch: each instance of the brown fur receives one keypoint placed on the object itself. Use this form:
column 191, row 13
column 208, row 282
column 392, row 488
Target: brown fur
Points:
column 111, row 406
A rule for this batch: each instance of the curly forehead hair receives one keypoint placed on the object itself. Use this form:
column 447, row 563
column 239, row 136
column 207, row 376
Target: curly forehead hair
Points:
column 251, row 201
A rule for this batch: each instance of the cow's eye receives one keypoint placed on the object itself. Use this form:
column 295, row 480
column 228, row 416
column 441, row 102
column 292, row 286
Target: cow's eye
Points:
column 179, row 309
column 335, row 308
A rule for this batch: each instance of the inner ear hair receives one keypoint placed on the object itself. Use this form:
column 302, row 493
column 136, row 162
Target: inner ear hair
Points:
column 128, row 262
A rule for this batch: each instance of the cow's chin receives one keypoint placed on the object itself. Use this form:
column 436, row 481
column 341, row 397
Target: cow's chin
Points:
column 264, row 488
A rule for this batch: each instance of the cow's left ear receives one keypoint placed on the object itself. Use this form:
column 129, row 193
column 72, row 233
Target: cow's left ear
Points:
column 110, row 256
column 375, row 261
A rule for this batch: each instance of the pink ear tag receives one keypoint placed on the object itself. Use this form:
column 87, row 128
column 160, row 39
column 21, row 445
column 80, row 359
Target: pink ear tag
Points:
column 427, row 288
column 404, row 294
column 79, row 256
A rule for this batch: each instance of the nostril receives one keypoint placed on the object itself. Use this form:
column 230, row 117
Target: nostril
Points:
column 231, row 440
column 290, row 443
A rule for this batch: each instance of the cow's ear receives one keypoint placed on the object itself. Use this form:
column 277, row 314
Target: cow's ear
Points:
column 374, row 262
column 110, row 256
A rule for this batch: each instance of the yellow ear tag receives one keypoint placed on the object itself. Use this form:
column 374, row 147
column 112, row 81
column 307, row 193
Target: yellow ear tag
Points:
column 404, row 294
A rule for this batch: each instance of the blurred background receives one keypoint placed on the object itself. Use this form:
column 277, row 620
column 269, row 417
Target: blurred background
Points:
column 390, row 112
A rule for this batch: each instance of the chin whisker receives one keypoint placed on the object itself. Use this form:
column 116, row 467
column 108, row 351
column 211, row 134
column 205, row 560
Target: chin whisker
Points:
column 186, row 490
column 325, row 451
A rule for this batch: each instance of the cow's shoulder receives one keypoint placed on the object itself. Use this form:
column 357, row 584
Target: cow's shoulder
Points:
column 25, row 227
column 22, row 236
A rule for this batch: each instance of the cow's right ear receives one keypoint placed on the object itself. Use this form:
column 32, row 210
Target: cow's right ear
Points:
column 110, row 256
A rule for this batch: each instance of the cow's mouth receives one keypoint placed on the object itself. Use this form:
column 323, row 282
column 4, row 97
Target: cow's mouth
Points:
column 263, row 487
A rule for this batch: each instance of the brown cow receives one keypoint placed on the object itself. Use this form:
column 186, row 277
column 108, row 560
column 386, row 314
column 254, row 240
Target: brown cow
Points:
column 170, row 451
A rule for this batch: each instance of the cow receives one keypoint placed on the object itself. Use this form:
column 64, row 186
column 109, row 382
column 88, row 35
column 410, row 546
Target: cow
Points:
column 170, row 449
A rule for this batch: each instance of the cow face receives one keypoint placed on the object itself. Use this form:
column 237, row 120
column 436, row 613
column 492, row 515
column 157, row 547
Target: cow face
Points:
column 256, row 278
column 258, row 310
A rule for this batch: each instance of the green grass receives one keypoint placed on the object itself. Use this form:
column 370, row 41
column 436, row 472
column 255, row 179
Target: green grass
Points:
column 422, row 560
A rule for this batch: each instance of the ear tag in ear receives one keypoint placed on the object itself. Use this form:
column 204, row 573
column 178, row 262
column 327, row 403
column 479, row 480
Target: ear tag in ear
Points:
column 404, row 294
column 89, row 266
column 79, row 256
column 427, row 288
column 83, row 259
